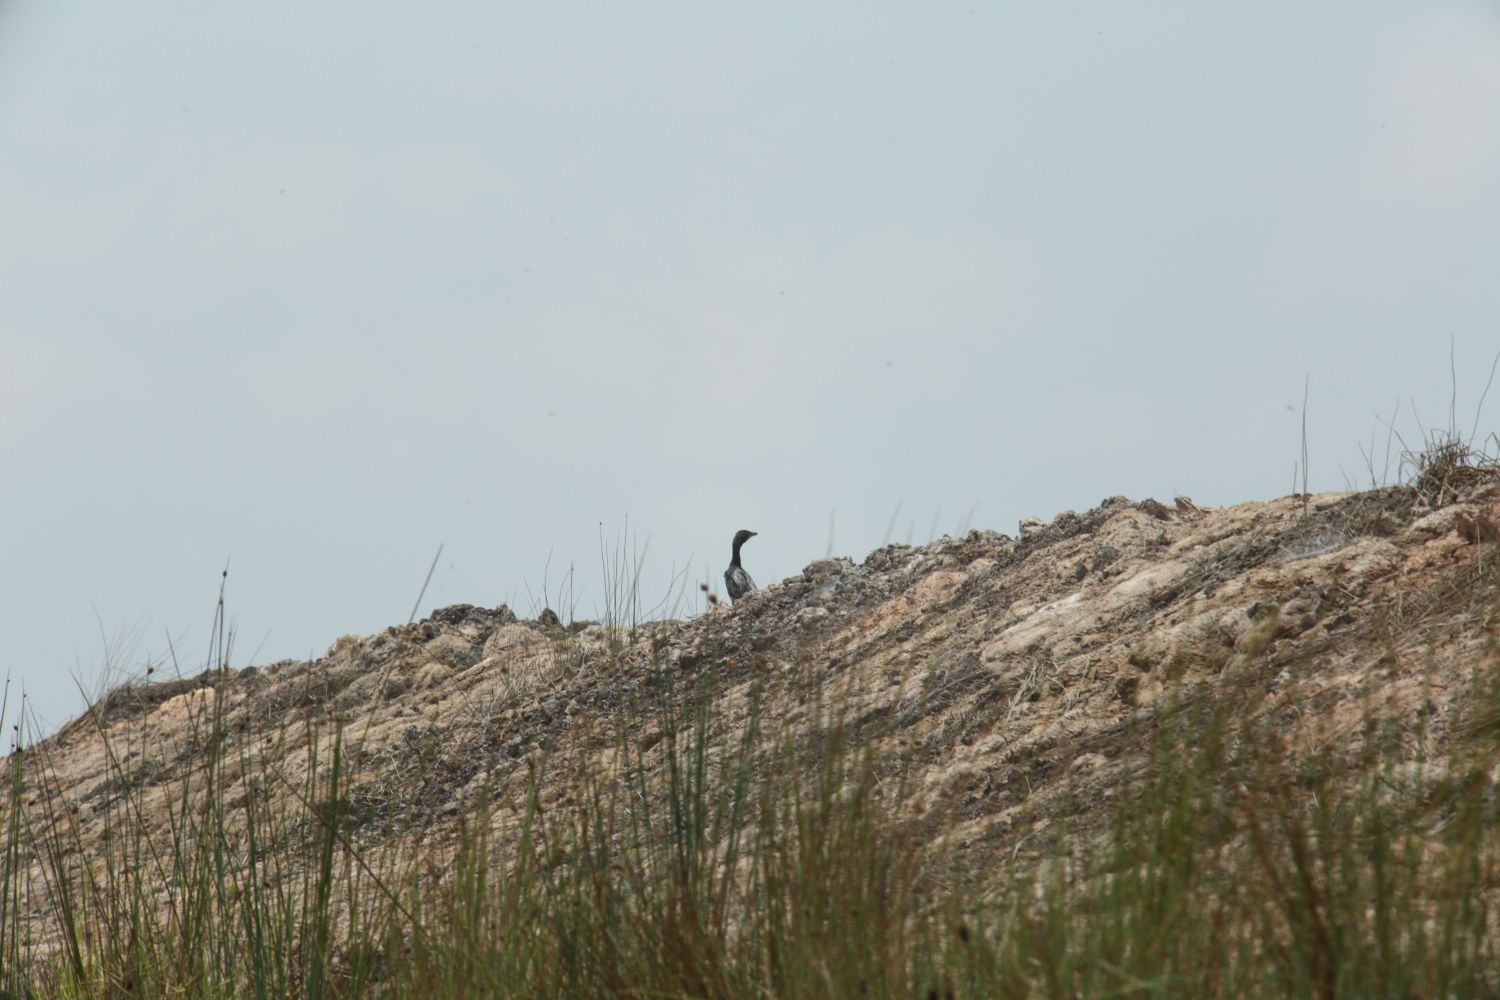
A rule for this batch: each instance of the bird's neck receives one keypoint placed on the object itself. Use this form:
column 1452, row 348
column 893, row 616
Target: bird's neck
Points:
column 735, row 561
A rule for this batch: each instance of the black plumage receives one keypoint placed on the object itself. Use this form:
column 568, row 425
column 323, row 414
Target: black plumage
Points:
column 736, row 580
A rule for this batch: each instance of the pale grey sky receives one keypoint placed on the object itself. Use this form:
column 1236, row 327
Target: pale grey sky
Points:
column 311, row 288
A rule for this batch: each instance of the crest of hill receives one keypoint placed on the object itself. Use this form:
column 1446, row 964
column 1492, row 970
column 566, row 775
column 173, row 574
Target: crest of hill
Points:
column 1018, row 677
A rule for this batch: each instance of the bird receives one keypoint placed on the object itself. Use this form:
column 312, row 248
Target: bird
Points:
column 736, row 580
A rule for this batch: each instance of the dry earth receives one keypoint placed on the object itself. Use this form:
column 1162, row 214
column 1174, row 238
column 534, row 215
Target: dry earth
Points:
column 1018, row 677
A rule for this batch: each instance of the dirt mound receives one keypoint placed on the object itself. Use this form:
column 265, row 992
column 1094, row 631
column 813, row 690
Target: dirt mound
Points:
column 1018, row 677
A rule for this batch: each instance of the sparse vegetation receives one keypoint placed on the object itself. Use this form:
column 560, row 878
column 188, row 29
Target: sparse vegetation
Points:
column 722, row 845
column 1232, row 871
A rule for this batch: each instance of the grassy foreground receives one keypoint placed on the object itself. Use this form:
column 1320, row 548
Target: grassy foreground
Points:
column 751, row 863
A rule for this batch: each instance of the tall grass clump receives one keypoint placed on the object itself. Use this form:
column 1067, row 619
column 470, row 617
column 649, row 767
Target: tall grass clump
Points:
column 1239, row 868
column 189, row 891
column 692, row 867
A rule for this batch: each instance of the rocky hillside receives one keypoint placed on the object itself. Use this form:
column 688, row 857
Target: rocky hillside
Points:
column 1018, row 676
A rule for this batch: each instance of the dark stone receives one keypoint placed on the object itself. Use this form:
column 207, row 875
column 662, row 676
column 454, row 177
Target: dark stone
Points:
column 1155, row 508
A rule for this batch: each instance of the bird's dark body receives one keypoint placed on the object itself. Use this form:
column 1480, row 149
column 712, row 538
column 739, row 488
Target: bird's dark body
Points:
column 736, row 580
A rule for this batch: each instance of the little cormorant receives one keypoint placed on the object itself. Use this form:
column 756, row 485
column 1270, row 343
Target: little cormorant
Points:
column 736, row 580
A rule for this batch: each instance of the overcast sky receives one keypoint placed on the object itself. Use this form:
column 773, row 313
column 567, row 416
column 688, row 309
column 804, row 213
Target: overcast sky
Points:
column 309, row 289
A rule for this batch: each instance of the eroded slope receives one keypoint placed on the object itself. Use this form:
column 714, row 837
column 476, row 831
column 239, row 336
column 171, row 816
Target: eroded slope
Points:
column 1016, row 677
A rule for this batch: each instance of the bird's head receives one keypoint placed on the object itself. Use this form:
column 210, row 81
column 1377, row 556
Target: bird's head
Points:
column 742, row 536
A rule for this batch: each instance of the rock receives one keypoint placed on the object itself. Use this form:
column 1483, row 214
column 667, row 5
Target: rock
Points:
column 1104, row 555
column 808, row 616
column 1372, row 557
column 1156, row 509
column 467, row 616
column 1296, row 615
column 1233, row 623
column 430, row 675
column 512, row 639
column 1439, row 522
column 1067, row 523
column 1030, row 526
column 821, row 570
column 890, row 557
column 1476, row 527
column 452, row 650
column 1087, row 762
